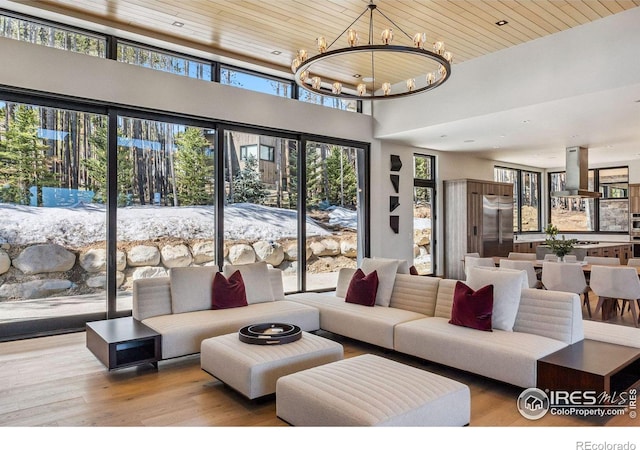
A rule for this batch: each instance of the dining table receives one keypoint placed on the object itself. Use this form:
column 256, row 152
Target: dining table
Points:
column 537, row 263
column 610, row 305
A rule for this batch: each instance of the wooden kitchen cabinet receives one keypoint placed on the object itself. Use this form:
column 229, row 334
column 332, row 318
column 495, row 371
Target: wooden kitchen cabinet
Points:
column 463, row 223
column 634, row 198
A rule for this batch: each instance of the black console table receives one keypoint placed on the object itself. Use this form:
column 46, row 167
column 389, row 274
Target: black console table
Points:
column 123, row 342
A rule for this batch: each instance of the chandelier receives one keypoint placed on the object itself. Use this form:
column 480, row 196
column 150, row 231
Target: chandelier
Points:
column 391, row 68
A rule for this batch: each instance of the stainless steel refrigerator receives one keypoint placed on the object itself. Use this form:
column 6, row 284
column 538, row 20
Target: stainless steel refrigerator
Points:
column 497, row 225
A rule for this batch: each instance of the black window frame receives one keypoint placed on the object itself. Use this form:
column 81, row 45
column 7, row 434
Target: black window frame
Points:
column 65, row 324
column 518, row 197
column 596, row 208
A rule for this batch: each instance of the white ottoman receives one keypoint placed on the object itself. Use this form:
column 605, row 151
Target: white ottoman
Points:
column 369, row 390
column 254, row 369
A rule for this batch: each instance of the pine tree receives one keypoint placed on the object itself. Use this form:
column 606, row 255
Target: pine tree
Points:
column 247, row 185
column 193, row 168
column 97, row 167
column 342, row 178
column 23, row 160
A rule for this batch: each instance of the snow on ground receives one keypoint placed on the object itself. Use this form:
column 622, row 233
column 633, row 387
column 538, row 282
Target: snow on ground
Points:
column 85, row 223
column 343, row 217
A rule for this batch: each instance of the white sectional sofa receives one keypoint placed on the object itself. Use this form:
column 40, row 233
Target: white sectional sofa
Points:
column 412, row 298
column 179, row 308
column 417, row 323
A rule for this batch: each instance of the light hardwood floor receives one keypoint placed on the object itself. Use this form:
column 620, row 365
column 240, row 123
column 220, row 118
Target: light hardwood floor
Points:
column 55, row 381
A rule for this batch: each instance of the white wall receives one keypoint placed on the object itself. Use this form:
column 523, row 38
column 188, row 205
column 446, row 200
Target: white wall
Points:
column 60, row 72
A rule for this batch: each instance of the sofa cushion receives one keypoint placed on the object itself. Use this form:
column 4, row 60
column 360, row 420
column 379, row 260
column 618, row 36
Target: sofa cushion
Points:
column 507, row 288
column 386, row 277
column 372, row 325
column 471, row 308
column 417, row 294
column 402, row 264
column 182, row 334
column 344, row 279
column 257, row 283
column 228, row 292
column 191, row 288
column 500, row 355
column 277, row 286
column 151, row 297
column 363, row 288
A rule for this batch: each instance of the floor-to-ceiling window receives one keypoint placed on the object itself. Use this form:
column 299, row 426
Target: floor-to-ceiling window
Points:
column 53, row 227
column 424, row 179
column 260, row 202
column 165, row 199
column 334, row 206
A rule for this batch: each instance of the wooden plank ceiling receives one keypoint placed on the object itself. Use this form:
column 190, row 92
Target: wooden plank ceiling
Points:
column 251, row 30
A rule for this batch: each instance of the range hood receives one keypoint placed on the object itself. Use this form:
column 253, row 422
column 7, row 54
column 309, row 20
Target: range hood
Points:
column 577, row 175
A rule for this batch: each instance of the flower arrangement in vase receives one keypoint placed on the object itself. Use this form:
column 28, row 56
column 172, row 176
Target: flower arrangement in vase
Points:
column 560, row 247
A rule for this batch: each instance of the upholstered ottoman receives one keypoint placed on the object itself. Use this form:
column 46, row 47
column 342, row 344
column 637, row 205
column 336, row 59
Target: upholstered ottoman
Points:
column 254, row 369
column 369, row 390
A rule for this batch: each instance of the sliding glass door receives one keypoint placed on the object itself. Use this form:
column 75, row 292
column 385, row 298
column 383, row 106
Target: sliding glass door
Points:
column 53, row 227
column 334, row 208
column 165, row 197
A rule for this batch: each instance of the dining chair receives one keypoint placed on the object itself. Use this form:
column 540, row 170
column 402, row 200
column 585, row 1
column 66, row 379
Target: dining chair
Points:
column 602, row 260
column 616, row 283
column 557, row 276
column 633, row 262
column 550, row 257
column 570, row 258
column 474, row 261
column 527, row 266
column 524, row 256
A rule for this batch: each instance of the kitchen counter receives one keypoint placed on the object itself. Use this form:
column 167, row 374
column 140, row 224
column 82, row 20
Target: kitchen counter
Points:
column 622, row 250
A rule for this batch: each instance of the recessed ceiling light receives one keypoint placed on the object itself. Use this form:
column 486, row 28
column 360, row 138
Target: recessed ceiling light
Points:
column 356, row 75
column 526, row 121
column 443, row 135
column 177, row 24
column 470, row 140
column 367, row 79
column 501, row 22
column 276, row 52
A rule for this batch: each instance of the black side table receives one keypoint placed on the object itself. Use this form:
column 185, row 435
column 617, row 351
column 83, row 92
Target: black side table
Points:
column 124, row 342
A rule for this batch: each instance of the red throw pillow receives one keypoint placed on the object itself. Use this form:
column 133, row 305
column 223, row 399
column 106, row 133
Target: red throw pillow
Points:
column 413, row 270
column 228, row 293
column 472, row 309
column 362, row 288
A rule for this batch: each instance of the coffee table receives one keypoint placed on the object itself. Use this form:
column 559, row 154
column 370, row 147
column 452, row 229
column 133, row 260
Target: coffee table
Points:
column 253, row 370
column 590, row 365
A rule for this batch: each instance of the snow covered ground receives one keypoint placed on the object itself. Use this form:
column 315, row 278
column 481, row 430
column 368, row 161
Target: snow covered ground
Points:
column 84, row 224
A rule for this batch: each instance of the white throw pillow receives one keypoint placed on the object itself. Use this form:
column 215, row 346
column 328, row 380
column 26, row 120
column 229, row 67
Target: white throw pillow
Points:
column 525, row 284
column 191, row 288
column 257, row 284
column 344, row 279
column 387, row 270
column 507, row 289
column 403, row 264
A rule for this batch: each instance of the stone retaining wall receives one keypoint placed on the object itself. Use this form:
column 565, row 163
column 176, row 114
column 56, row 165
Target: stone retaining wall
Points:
column 43, row 270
